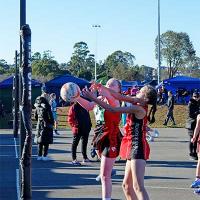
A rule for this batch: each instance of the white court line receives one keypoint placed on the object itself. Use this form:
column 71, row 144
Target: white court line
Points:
column 169, row 188
column 152, row 187
column 17, row 171
column 16, row 152
column 17, row 184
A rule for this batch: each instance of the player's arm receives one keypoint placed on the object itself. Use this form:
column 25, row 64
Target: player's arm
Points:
column 119, row 96
column 138, row 110
column 85, row 103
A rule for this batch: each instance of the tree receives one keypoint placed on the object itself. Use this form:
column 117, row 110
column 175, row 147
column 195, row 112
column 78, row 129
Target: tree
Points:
column 194, row 68
column 146, row 72
column 86, row 74
column 5, row 68
column 81, row 61
column 119, row 58
column 176, row 50
column 45, row 67
column 78, row 58
column 36, row 56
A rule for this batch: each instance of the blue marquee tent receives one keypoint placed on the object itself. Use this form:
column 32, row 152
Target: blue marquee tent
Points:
column 6, row 91
column 55, row 84
column 129, row 84
column 186, row 82
column 8, row 83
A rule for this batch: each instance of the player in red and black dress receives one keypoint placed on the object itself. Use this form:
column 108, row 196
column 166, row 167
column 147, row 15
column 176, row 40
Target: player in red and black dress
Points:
column 134, row 147
column 108, row 141
column 134, row 144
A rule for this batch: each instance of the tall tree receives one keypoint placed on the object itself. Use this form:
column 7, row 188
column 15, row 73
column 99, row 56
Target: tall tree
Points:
column 147, row 72
column 81, row 61
column 176, row 50
column 193, row 69
column 36, row 56
column 44, row 67
column 119, row 59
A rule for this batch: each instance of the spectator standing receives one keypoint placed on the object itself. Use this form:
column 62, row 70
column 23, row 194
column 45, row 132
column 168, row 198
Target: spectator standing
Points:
column 164, row 94
column 193, row 111
column 170, row 106
column 2, row 111
column 44, row 130
column 53, row 105
column 44, row 93
column 80, row 122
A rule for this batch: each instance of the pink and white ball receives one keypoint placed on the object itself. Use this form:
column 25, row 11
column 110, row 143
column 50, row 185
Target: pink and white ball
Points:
column 70, row 92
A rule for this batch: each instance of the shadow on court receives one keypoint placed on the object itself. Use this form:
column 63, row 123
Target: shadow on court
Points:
column 168, row 172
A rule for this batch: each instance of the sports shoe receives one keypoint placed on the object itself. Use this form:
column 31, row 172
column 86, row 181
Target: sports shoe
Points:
column 76, row 163
column 56, row 132
column 193, row 156
column 93, row 152
column 39, row 158
column 197, row 191
column 46, row 158
column 196, row 183
column 98, row 178
column 156, row 133
column 149, row 137
column 113, row 172
column 86, row 160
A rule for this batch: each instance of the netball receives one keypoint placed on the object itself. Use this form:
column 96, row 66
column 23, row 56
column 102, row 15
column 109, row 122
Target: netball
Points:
column 70, row 92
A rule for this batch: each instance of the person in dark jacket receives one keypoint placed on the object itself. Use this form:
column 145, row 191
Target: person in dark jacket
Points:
column 170, row 106
column 44, row 130
column 80, row 122
column 193, row 111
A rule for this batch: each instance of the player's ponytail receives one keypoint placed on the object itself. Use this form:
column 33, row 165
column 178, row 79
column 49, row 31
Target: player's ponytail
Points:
column 152, row 96
column 151, row 115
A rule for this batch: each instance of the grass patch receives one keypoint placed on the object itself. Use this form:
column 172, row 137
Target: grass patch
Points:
column 180, row 115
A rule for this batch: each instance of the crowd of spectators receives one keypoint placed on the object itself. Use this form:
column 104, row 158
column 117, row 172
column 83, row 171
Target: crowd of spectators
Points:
column 181, row 95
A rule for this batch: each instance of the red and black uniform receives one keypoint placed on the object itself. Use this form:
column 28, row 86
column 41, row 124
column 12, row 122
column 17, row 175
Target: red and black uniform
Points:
column 108, row 141
column 134, row 144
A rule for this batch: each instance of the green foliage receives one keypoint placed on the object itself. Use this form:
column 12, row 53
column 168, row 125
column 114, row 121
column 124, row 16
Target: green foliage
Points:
column 176, row 50
column 86, row 74
column 119, row 58
column 81, row 61
column 146, row 72
column 5, row 68
column 44, row 66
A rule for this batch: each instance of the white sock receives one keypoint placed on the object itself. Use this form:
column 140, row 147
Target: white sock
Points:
column 106, row 199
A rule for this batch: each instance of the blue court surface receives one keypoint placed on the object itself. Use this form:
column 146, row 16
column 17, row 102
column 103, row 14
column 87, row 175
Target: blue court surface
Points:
column 169, row 172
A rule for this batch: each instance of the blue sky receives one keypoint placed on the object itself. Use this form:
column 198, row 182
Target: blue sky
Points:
column 128, row 25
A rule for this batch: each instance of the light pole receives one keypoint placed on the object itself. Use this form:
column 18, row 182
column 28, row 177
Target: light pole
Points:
column 96, row 26
column 158, row 41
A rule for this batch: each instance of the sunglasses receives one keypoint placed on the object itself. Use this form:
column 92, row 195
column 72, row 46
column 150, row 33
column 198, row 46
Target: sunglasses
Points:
column 195, row 97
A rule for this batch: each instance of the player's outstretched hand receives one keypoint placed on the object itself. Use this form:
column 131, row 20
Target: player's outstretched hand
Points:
column 88, row 94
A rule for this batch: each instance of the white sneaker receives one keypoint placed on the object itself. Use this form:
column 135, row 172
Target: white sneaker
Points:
column 86, row 161
column 98, row 178
column 156, row 133
column 45, row 158
column 39, row 158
